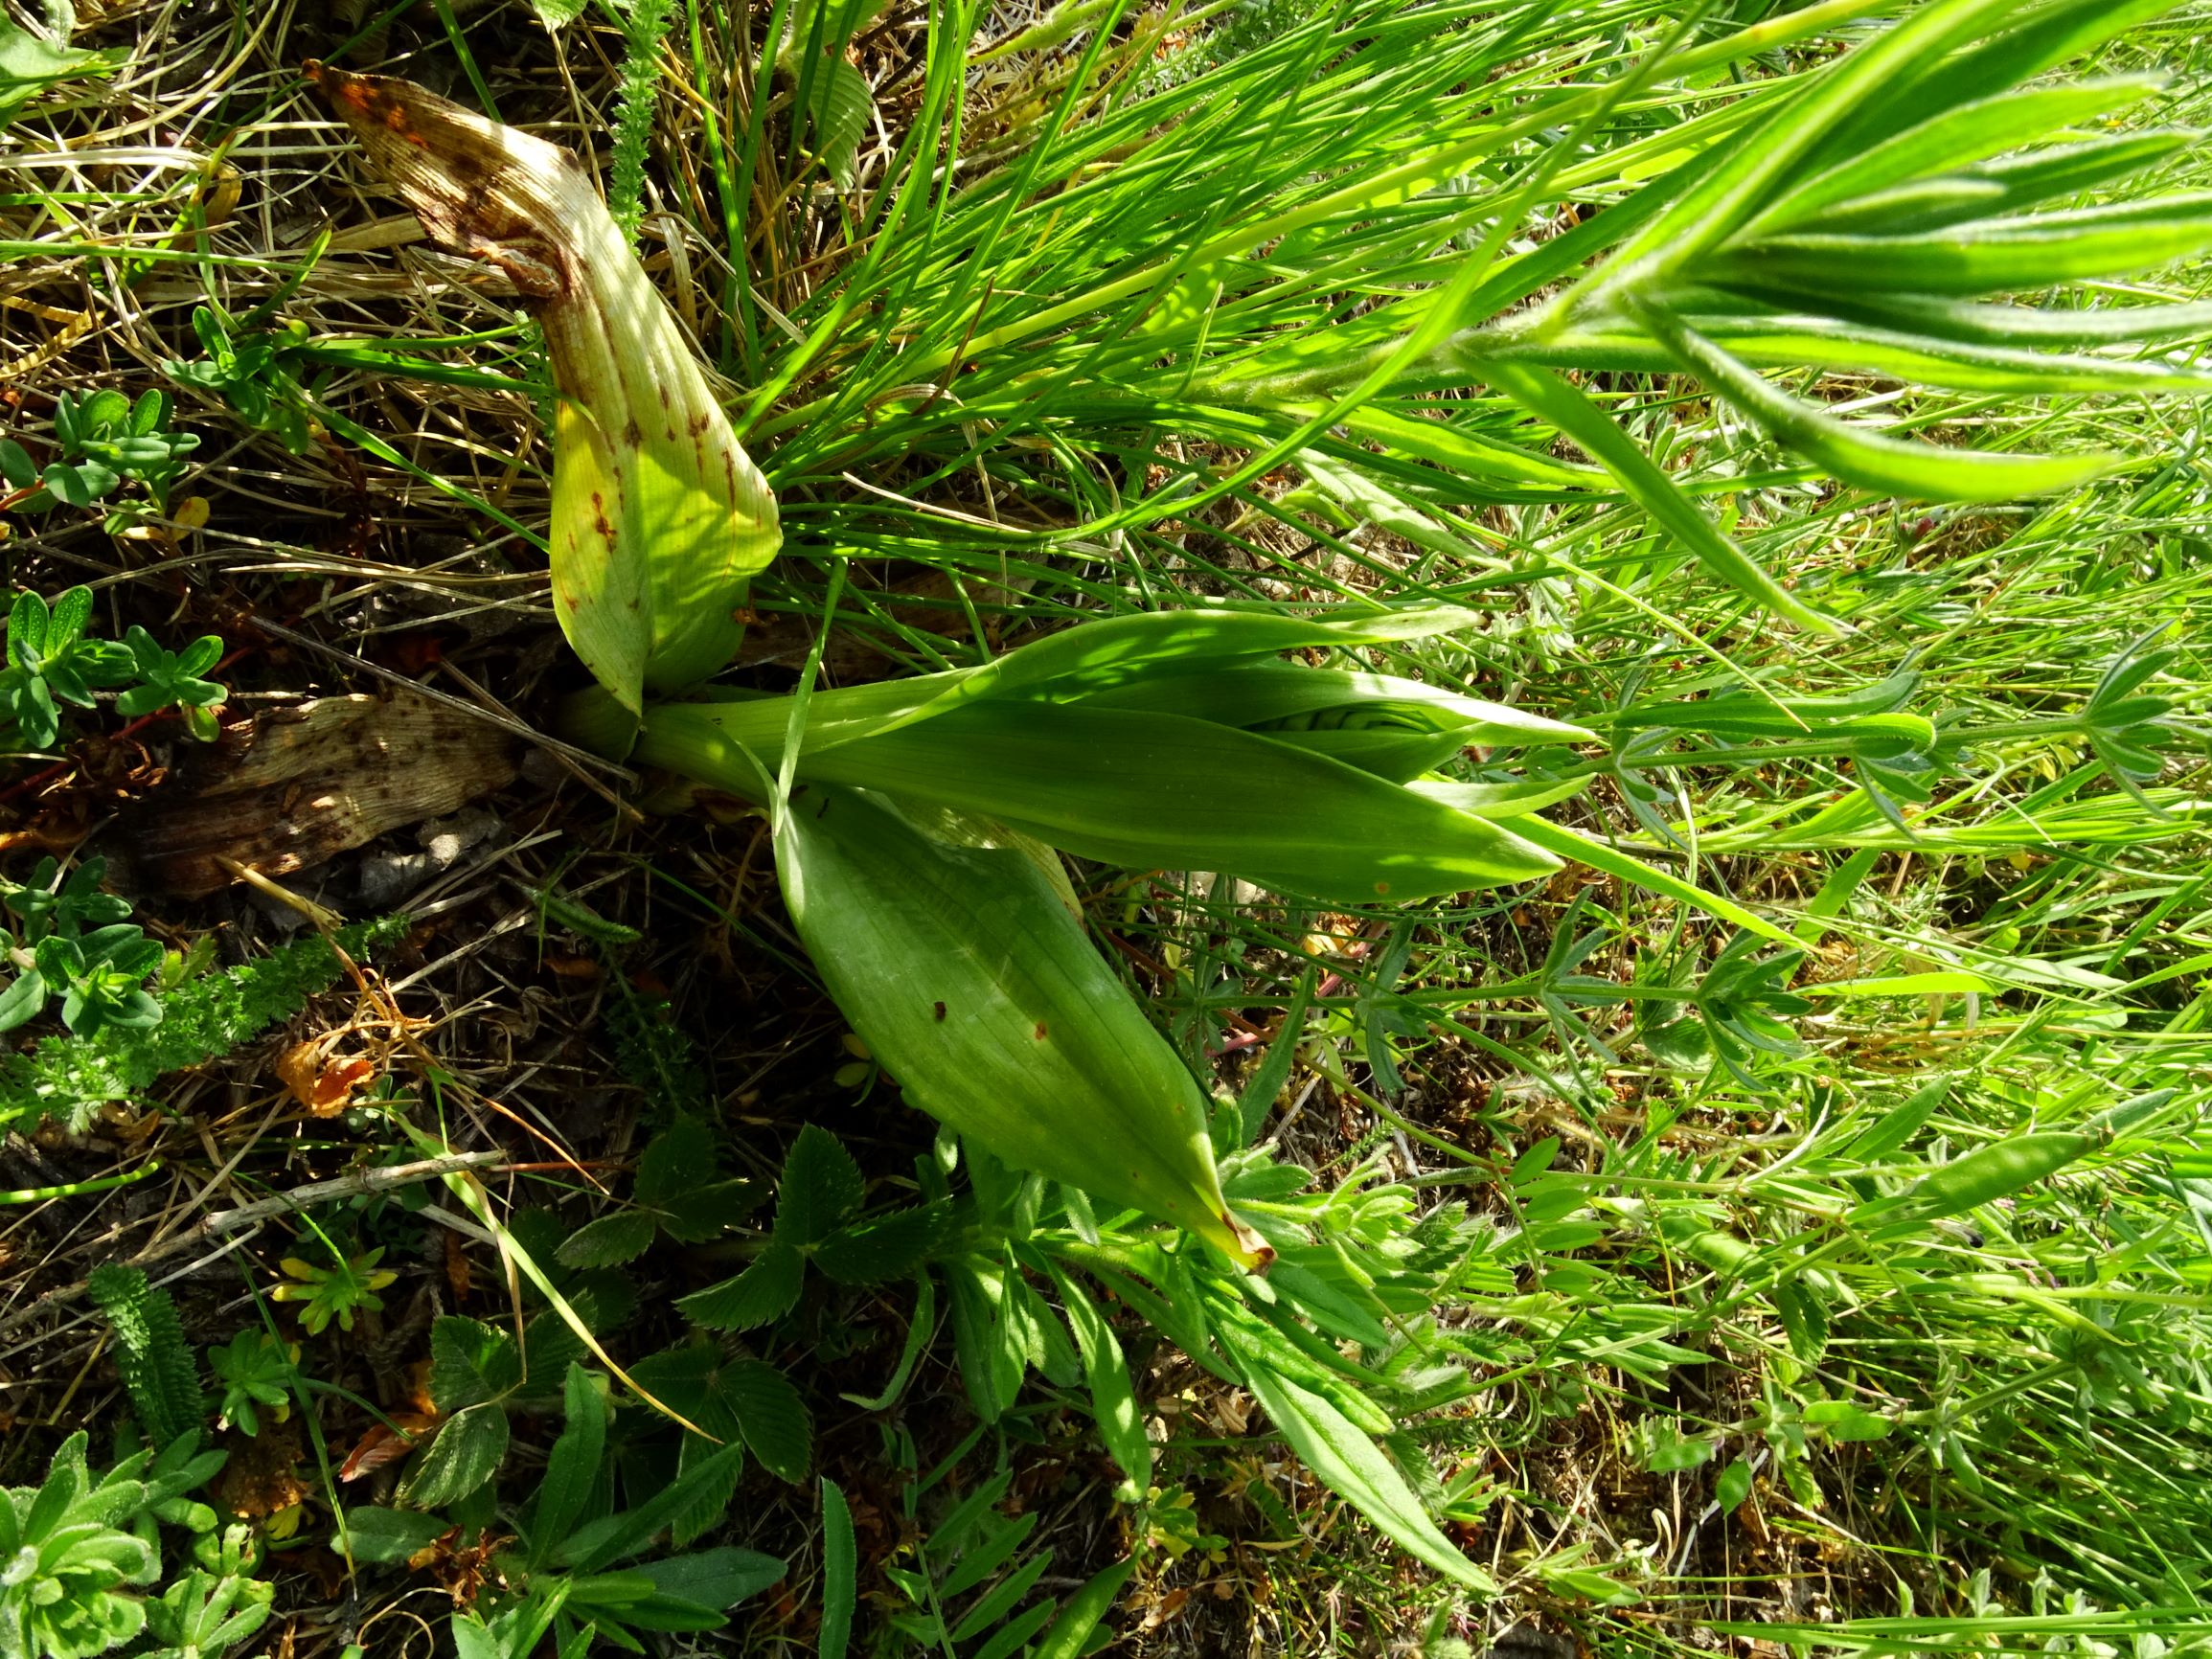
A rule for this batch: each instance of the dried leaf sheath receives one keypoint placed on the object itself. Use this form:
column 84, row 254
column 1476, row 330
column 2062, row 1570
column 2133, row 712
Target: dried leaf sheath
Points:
column 659, row 517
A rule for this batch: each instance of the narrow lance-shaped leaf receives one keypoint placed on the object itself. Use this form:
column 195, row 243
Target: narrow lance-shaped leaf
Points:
column 1351, row 1465
column 1928, row 83
column 1958, row 137
column 1894, row 466
column 659, row 519
column 2013, row 184
column 1145, row 790
column 1753, row 167
column 1808, row 340
column 1925, row 316
column 1994, row 256
column 1545, row 394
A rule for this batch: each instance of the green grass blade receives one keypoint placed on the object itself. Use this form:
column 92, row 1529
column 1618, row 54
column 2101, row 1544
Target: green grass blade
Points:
column 1889, row 465
column 1990, row 257
column 1649, row 486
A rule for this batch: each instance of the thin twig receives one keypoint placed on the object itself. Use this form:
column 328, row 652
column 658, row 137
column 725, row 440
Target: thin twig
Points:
column 340, row 1187
column 299, row 1199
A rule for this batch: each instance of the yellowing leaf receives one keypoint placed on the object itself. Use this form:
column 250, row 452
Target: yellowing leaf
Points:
column 659, row 517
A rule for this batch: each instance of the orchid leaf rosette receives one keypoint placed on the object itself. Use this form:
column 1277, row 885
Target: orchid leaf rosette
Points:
column 916, row 852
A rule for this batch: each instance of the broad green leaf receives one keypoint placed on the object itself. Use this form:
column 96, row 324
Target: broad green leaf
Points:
column 761, row 1295
column 714, row 1579
column 770, row 1415
column 72, row 613
column 1082, row 1614
column 1733, row 1485
column 1251, row 694
column 1114, row 650
column 466, row 1454
column 1164, row 791
column 387, row 1536
column 1100, row 656
column 1893, row 467
column 1350, row 1464
column 842, row 105
column 1649, row 486
column 1667, row 1451
column 972, row 985
column 1843, row 1420
column 30, row 63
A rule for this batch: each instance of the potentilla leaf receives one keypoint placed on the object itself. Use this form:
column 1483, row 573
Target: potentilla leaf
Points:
column 659, row 519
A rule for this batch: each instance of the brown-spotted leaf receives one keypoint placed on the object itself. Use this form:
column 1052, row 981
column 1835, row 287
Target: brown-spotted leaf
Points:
column 659, row 517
